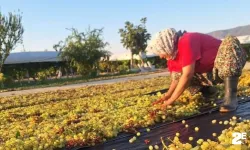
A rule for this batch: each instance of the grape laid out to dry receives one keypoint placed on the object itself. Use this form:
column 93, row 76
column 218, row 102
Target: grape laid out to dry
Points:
column 224, row 141
column 91, row 115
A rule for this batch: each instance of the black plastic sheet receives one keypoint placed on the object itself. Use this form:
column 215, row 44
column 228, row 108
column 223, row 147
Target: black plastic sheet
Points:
column 203, row 121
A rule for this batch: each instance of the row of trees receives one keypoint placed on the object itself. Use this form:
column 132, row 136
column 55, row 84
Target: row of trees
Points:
column 81, row 50
column 40, row 73
column 84, row 50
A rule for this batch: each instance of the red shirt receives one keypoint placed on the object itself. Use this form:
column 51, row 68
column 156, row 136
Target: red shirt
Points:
column 195, row 47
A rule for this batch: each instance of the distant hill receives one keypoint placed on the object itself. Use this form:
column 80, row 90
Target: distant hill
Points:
column 238, row 31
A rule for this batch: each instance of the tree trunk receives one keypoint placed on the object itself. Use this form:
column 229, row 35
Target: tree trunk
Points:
column 34, row 78
column 66, row 71
column 142, row 61
column 71, row 72
column 59, row 75
column 131, row 61
column 143, row 57
column 27, row 75
column 2, row 84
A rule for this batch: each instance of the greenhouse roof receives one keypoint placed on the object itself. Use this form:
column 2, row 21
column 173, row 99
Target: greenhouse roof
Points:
column 29, row 57
column 52, row 56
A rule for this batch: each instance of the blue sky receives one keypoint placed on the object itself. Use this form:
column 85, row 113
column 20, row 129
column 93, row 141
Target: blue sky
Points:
column 45, row 20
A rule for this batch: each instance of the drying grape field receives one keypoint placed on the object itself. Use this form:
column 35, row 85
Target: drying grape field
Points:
column 91, row 115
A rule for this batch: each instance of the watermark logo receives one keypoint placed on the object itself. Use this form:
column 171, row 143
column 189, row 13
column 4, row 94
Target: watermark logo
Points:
column 238, row 137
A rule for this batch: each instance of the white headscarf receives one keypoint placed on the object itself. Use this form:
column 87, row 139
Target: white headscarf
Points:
column 164, row 42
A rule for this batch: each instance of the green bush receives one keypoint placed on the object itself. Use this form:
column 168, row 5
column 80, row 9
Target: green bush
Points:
column 2, row 78
column 51, row 72
column 122, row 68
column 104, row 66
column 246, row 47
column 42, row 75
column 8, row 80
column 5, row 80
column 93, row 73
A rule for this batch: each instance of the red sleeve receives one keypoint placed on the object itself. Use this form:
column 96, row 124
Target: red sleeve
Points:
column 173, row 66
column 169, row 66
column 190, row 50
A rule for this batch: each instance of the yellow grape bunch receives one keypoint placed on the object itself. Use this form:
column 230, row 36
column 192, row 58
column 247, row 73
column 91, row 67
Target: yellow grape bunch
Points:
column 222, row 142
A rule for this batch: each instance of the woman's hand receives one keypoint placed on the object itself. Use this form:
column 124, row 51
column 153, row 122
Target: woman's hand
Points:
column 187, row 74
column 166, row 103
column 169, row 93
column 161, row 100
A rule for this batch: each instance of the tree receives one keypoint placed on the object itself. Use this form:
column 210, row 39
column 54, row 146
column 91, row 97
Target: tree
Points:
column 11, row 31
column 246, row 47
column 83, row 50
column 134, row 38
column 142, row 37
